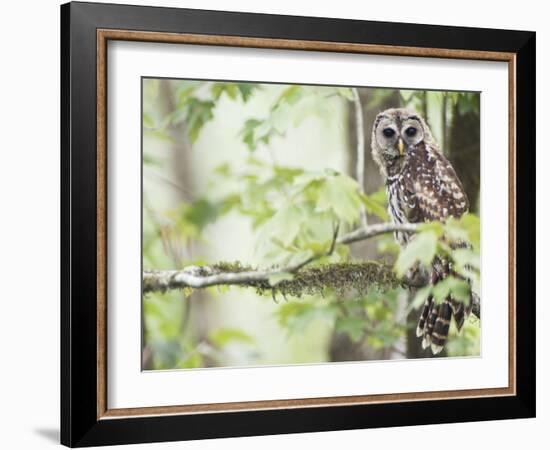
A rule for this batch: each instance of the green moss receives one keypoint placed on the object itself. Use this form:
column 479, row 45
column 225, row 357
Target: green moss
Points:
column 337, row 278
column 151, row 284
column 317, row 280
column 234, row 267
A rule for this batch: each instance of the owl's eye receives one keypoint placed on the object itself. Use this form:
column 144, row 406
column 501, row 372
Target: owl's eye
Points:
column 388, row 132
column 411, row 131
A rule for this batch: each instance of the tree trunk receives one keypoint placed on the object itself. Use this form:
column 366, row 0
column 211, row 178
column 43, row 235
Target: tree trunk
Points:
column 464, row 152
column 194, row 317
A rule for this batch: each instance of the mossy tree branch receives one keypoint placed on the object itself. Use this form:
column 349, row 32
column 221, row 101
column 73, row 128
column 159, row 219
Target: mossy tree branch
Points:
column 359, row 276
column 236, row 274
column 304, row 280
column 341, row 277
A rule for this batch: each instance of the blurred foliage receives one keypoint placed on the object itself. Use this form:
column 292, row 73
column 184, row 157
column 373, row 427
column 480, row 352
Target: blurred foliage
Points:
column 293, row 213
column 371, row 316
column 440, row 240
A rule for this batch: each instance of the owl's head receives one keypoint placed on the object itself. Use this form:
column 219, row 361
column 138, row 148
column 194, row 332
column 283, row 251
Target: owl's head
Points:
column 395, row 134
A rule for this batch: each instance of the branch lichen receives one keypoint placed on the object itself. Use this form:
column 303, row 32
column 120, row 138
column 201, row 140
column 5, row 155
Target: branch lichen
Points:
column 338, row 277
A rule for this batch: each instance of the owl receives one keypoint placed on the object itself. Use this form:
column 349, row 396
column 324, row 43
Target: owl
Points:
column 421, row 186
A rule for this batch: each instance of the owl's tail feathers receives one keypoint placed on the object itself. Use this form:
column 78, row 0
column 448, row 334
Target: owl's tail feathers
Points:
column 434, row 323
column 420, row 328
column 460, row 312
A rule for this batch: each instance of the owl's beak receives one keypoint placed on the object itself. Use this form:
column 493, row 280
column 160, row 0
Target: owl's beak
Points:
column 401, row 146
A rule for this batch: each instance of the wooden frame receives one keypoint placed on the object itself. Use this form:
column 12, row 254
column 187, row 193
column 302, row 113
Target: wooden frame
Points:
column 86, row 419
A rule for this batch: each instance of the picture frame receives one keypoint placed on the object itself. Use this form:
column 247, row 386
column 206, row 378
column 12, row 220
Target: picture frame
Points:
column 86, row 30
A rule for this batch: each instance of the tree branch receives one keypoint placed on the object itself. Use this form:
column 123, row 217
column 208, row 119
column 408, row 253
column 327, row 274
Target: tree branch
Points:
column 338, row 277
column 204, row 276
column 364, row 233
column 305, row 280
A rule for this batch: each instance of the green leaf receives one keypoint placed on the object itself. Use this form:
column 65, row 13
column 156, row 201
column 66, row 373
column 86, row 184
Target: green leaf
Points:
column 197, row 114
column 347, row 93
column 246, row 90
column 224, row 336
column 451, row 286
column 193, row 361
column 463, row 230
column 470, row 222
column 420, row 297
column 148, row 121
column 377, row 311
column 460, row 290
column 437, row 227
column 374, row 207
column 201, row 213
column 421, row 248
column 290, row 95
column 340, row 194
column 352, row 325
column 296, row 316
column 248, row 133
column 455, row 232
column 380, row 196
column 223, row 169
column 289, row 310
column 306, row 179
column 375, row 342
column 385, row 334
column 387, row 244
column 185, row 88
column 464, row 257
column 230, row 89
column 229, row 203
column 288, row 174
column 441, row 290
column 275, row 279
column 151, row 160
column 285, row 224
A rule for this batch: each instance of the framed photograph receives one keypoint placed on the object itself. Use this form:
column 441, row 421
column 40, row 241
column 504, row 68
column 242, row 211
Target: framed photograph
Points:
column 276, row 224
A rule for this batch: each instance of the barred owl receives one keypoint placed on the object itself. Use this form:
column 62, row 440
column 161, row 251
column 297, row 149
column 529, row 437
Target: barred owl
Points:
column 421, row 186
